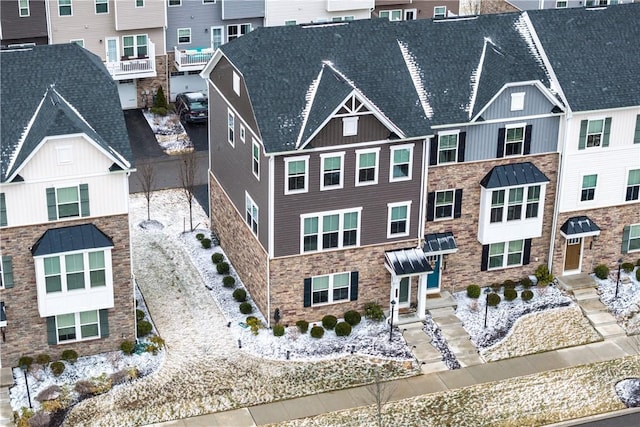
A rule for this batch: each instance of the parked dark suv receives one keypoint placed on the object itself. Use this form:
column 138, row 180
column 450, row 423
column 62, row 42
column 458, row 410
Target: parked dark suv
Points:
column 192, row 106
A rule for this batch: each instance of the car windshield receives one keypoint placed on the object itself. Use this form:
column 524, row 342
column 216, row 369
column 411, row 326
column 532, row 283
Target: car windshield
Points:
column 198, row 104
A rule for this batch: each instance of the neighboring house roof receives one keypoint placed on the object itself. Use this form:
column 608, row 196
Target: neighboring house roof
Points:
column 57, row 90
column 514, row 174
column 440, row 243
column 72, row 238
column 595, row 54
column 579, row 226
column 404, row 262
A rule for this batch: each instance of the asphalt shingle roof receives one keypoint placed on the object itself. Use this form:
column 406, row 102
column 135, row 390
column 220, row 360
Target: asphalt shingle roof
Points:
column 79, row 78
column 72, row 238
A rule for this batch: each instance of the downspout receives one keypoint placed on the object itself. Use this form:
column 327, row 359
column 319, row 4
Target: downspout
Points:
column 270, row 236
column 48, row 13
column 423, row 189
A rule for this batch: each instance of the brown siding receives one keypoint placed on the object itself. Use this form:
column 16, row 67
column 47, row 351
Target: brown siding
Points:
column 29, row 29
column 369, row 129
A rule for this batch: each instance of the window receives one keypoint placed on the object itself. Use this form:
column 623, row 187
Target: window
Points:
column 175, row 3
column 102, row 6
column 3, row 210
column 64, row 8
column 208, row 1
column 514, row 207
column 588, row 187
column 97, row 270
column 331, row 171
column 296, row 175
column 52, row 277
column 79, row 42
column 139, row 3
column 134, row 46
column 391, row 15
column 514, row 141
column 256, row 159
column 447, row 148
column 252, row 214
column 330, row 230
column 235, row 31
column 74, row 266
column 533, row 201
column 410, row 14
column 497, row 205
column 401, row 160
column 23, row 6
column 516, row 203
column 594, row 133
column 217, row 38
column 349, row 126
column 444, row 204
column 290, row 22
column 636, row 133
column 85, row 322
column 184, row 35
column 633, row 185
column 517, row 101
column 243, row 133
column 231, row 119
column 236, row 83
column 330, row 288
column 561, row 4
column 74, row 271
column 68, row 202
column 398, row 223
column 631, row 238
column 439, row 12
column 367, row 169
column 498, row 258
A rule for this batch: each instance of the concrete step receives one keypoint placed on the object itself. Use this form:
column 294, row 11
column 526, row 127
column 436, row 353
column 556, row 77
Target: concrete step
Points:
column 445, row 320
column 470, row 360
column 441, row 312
column 610, row 331
column 592, row 306
column 429, row 368
column 426, row 353
column 415, row 337
column 601, row 318
column 443, row 299
column 452, row 332
column 585, row 294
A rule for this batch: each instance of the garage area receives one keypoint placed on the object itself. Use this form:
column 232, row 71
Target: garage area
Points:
column 128, row 94
column 187, row 81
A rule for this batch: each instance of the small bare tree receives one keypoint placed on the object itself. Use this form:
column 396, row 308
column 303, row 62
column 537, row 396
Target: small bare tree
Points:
column 188, row 168
column 146, row 176
column 381, row 391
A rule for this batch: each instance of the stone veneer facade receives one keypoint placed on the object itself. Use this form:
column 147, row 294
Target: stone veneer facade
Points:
column 26, row 332
column 151, row 84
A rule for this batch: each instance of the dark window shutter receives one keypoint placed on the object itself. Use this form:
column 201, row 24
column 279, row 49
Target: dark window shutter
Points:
column 607, row 132
column 636, row 135
column 104, row 323
column 527, row 139
column 51, row 204
column 7, row 272
column 500, row 152
column 3, row 210
column 84, row 200
column 354, row 285
column 484, row 263
column 462, row 139
column 457, row 204
column 625, row 238
column 431, row 205
column 433, row 151
column 582, row 141
column 52, row 334
column 307, row 292
column 526, row 255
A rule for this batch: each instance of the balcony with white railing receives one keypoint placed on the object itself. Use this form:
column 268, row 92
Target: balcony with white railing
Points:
column 192, row 59
column 138, row 67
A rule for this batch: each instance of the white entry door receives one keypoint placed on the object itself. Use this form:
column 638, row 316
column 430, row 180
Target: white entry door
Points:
column 112, row 49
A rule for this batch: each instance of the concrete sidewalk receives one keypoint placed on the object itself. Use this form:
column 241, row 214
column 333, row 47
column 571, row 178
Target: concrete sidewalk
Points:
column 424, row 384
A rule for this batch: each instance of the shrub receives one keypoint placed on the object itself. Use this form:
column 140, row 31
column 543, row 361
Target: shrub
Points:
column 222, row 268
column 317, row 332
column 139, row 315
column 343, row 329
column 245, row 308
column 352, row 317
column 160, row 111
column 39, row 419
column 158, row 341
column 373, row 311
column 329, row 321
column 144, row 328
column 526, row 295
column 278, row 330
column 25, row 361
column 543, row 275
column 199, row 236
column 493, row 299
column 510, row 294
column 526, row 282
column 43, row 359
column 473, row 291
column 119, row 377
column 57, row 368
column 240, row 295
column 509, row 284
column 206, row 243
column 69, row 355
column 627, row 267
column 84, row 388
column 638, row 274
column 127, row 347
column 228, row 281
column 638, row 262
column 217, row 257
column 49, row 393
column 496, row 286
column 303, row 326
column 160, row 100
column 601, row 271
column 254, row 324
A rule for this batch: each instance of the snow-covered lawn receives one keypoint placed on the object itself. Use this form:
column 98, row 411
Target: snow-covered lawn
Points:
column 169, row 132
column 626, row 306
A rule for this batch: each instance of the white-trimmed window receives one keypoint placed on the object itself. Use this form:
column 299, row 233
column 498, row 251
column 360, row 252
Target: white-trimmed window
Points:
column 75, row 271
column 255, row 154
column 330, row 288
column 515, row 203
column 135, row 46
column 79, row 42
column 506, row 254
column 102, row 6
column 517, row 101
column 589, row 183
column 330, row 230
column 139, row 3
column 251, row 209
column 391, row 15
column 65, row 8
column 401, row 163
column 290, row 22
column 208, row 1
column 331, row 177
column 595, row 129
column 68, row 202
column 633, row 185
column 631, row 238
column 184, row 35
column 296, row 178
column 350, row 126
column 440, row 12
column 23, row 8
column 173, row 3
column 236, row 83
column 235, row 31
column 410, row 14
column 217, row 37
column 398, row 219
column 561, row 4
column 533, row 201
column 367, row 167
column 514, row 140
column 444, row 201
column 447, row 147
column 243, row 133
column 231, row 127
column 77, row 326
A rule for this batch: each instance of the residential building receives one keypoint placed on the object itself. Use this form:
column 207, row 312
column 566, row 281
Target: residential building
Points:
column 406, row 10
column 64, row 225
column 23, row 22
column 563, row 4
column 293, row 12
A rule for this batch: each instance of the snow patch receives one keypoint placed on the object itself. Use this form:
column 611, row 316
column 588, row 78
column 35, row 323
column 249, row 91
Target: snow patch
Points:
column 475, row 78
column 310, row 96
column 417, row 76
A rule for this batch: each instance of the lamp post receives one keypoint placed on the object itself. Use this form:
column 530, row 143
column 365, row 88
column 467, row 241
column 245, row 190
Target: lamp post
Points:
column 393, row 304
column 618, row 281
column 486, row 306
column 26, row 383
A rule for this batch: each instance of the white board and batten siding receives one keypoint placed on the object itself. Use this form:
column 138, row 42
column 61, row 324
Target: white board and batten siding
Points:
column 279, row 12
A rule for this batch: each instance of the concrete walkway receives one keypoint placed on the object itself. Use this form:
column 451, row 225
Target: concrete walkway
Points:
column 6, row 381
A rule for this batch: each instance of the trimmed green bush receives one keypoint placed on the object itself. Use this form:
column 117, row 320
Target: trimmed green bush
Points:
column 199, row 236
column 222, row 268
column 245, row 308
column 139, row 314
column 25, row 361
column 228, row 281
column 509, row 284
column 343, row 329
column 638, row 262
column 303, row 326
column 317, row 332
column 206, row 243
column 352, row 317
column 373, row 311
column 278, row 330
column 217, row 258
column 254, row 324
column 638, row 274
column 543, row 275
column 526, row 295
column 496, row 286
column 601, row 271
column 627, row 267
column 329, row 321
column 57, row 368
column 127, row 347
column 526, row 282
column 69, row 355
column 43, row 359
column 239, row 295
column 493, row 299
column 473, row 291
column 144, row 328
column 510, row 294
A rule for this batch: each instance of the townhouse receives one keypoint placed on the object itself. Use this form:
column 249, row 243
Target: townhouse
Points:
column 562, row 4
column 23, row 22
column 403, row 10
column 64, row 225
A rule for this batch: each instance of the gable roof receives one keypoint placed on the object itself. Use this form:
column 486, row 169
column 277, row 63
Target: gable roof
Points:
column 56, row 90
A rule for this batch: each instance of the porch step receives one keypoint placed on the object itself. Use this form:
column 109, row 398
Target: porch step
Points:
column 602, row 318
column 591, row 306
column 443, row 299
column 610, row 331
column 585, row 294
column 437, row 313
column 576, row 281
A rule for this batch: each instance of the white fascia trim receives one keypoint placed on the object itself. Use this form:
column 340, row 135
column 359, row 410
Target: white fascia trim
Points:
column 579, row 235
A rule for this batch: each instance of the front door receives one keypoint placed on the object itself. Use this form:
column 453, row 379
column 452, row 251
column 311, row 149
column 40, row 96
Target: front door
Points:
column 405, row 292
column 572, row 254
column 112, row 49
column 433, row 279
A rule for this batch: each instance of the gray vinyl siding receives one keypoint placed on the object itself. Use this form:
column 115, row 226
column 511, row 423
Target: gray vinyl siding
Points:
column 546, row 4
column 369, row 129
column 197, row 16
column 233, row 9
column 535, row 103
column 27, row 29
column 373, row 199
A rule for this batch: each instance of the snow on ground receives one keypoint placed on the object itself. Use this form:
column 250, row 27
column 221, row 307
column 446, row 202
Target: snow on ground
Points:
column 169, row 132
column 626, row 306
column 629, row 392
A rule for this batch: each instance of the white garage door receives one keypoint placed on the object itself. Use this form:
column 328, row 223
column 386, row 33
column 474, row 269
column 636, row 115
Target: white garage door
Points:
column 186, row 83
column 128, row 94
